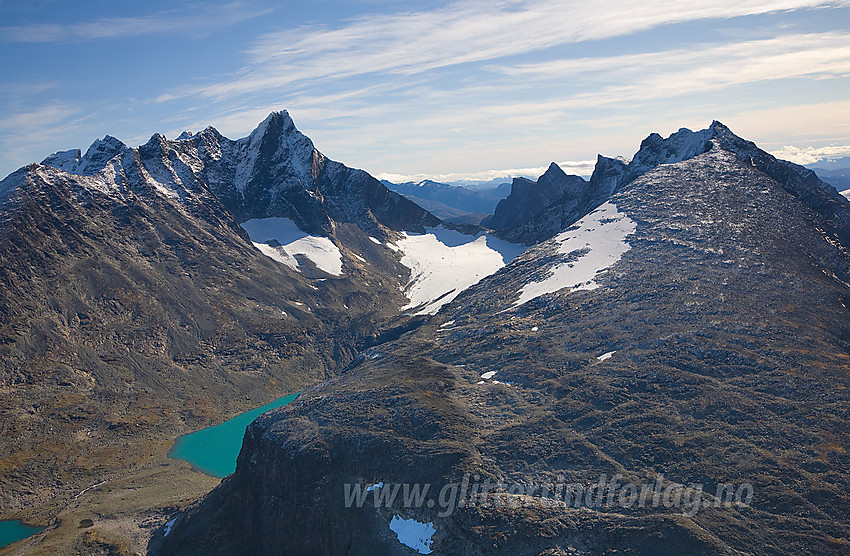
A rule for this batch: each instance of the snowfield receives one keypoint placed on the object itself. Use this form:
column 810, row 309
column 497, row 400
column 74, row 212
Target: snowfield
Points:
column 605, row 356
column 281, row 240
column 444, row 262
column 413, row 534
column 593, row 244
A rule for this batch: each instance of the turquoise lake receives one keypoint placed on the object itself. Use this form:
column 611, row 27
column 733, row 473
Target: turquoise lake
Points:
column 214, row 450
column 12, row 530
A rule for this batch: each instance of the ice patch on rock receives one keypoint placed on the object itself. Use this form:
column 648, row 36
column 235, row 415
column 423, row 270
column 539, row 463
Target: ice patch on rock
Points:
column 596, row 242
column 605, row 356
column 168, row 527
column 413, row 534
column 282, row 240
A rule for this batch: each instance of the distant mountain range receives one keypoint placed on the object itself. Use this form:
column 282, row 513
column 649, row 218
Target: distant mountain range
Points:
column 839, row 178
column 452, row 203
column 841, row 163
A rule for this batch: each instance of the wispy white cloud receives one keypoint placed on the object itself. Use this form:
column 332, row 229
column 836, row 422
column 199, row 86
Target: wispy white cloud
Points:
column 26, row 132
column 199, row 22
column 44, row 117
column 811, row 155
column 467, row 31
column 805, row 124
column 21, row 90
column 702, row 67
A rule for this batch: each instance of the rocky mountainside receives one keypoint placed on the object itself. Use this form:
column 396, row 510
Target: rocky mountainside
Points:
column 147, row 292
column 690, row 336
column 529, row 198
column 539, row 210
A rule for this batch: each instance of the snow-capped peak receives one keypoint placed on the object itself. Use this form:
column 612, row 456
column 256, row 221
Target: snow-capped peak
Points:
column 682, row 145
column 279, row 141
column 96, row 158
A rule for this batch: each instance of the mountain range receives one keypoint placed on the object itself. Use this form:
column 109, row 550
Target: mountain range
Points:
column 452, row 203
column 680, row 318
column 835, row 171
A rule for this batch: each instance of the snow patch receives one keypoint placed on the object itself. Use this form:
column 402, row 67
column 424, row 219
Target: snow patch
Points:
column 488, row 375
column 375, row 486
column 282, row 240
column 597, row 241
column 168, row 527
column 444, row 262
column 413, row 534
column 607, row 355
column 375, row 240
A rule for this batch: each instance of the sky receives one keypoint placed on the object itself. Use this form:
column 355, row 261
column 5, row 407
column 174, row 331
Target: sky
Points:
column 446, row 90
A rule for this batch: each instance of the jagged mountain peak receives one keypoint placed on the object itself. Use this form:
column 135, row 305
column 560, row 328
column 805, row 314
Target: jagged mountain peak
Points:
column 681, row 145
column 157, row 139
column 275, row 145
column 801, row 182
column 553, row 167
column 548, row 214
column 94, row 160
column 528, row 198
column 275, row 171
column 553, row 173
column 279, row 127
column 685, row 144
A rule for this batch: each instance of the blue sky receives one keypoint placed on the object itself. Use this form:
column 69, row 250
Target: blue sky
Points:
column 473, row 89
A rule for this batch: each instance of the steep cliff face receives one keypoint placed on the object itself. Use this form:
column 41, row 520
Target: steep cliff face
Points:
column 577, row 199
column 528, row 198
column 709, row 346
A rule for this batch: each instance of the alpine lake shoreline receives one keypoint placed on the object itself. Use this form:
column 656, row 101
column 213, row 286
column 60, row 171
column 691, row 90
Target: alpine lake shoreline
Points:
column 120, row 514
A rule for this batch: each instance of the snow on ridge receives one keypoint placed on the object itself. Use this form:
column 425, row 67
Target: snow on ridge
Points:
column 598, row 241
column 445, row 262
column 281, row 239
column 682, row 145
